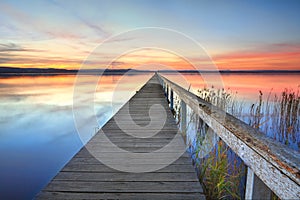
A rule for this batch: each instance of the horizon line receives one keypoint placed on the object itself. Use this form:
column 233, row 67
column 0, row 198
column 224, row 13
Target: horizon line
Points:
column 18, row 70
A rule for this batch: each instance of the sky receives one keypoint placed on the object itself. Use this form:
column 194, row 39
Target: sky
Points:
column 235, row 35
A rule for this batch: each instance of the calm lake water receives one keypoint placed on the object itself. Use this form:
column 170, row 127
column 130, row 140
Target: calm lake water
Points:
column 38, row 134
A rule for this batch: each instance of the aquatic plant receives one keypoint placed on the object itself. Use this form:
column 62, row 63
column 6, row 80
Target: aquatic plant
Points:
column 224, row 99
column 219, row 177
column 222, row 173
column 275, row 116
column 278, row 118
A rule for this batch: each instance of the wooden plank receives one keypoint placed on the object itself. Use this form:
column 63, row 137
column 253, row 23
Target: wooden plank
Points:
column 110, row 151
column 145, row 145
column 126, row 177
column 85, row 177
column 125, row 196
column 103, row 168
column 163, row 140
column 91, row 160
column 137, row 186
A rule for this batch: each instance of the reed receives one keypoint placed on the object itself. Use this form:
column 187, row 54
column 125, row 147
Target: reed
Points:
column 277, row 117
column 219, row 176
column 224, row 99
column 222, row 173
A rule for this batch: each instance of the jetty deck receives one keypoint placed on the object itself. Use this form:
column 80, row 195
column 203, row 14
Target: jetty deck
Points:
column 85, row 177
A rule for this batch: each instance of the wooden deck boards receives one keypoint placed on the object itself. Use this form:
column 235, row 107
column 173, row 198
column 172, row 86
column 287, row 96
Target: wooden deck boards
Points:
column 85, row 177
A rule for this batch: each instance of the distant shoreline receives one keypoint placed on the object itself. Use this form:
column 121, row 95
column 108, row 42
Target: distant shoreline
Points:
column 12, row 71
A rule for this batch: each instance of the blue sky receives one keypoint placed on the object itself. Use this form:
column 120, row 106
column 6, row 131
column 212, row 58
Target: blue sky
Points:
column 47, row 33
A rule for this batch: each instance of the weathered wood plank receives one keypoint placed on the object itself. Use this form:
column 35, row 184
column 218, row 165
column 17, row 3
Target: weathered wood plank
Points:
column 125, row 196
column 126, row 177
column 115, row 137
column 110, row 151
column 137, row 186
column 103, row 168
column 91, row 160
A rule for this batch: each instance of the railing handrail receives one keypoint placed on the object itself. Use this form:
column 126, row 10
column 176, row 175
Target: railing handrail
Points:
column 274, row 163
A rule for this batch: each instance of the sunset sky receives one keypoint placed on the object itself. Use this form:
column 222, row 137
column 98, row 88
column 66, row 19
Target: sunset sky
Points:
column 240, row 34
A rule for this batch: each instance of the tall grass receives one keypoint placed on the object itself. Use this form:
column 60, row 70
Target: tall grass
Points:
column 222, row 172
column 277, row 117
column 220, row 175
column 218, row 97
column 223, row 177
column 224, row 99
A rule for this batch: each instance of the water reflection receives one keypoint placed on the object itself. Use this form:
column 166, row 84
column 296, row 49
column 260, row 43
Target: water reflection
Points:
column 38, row 134
column 268, row 102
column 247, row 86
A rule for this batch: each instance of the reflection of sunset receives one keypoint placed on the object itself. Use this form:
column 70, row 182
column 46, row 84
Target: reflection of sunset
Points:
column 248, row 85
column 27, row 81
column 58, row 89
column 55, row 90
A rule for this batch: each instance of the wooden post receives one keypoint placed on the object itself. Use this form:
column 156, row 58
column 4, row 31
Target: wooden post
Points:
column 171, row 100
column 183, row 116
column 167, row 92
column 249, row 184
column 255, row 188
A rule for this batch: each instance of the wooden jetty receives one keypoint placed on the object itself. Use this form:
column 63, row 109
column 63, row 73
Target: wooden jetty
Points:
column 271, row 166
column 85, row 177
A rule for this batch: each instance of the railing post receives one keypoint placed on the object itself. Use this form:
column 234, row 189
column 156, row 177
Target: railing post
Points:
column 167, row 92
column 255, row 188
column 182, row 116
column 171, row 99
column 249, row 184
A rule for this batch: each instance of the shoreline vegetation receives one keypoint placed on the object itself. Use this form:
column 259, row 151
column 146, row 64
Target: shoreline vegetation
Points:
column 14, row 71
column 222, row 173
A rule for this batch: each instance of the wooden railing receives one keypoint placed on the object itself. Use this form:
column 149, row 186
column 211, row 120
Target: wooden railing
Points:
column 271, row 166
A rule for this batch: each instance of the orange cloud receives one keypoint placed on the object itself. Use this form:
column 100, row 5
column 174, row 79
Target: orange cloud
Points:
column 272, row 57
column 286, row 60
